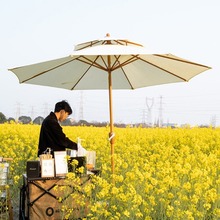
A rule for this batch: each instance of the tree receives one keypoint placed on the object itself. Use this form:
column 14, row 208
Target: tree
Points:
column 38, row 120
column 67, row 122
column 11, row 119
column 2, row 118
column 24, row 119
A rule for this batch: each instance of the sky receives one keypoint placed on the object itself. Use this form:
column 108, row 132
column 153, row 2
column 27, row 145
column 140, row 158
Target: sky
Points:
column 39, row 30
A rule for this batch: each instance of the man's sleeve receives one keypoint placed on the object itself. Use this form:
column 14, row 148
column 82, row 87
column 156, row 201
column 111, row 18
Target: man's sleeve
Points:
column 61, row 138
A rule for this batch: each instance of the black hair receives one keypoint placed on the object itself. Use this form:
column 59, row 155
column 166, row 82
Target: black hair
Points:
column 63, row 105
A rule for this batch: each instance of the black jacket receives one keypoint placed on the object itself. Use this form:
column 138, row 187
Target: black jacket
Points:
column 52, row 136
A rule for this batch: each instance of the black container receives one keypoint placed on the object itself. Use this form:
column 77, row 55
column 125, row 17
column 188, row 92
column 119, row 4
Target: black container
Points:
column 33, row 169
column 81, row 163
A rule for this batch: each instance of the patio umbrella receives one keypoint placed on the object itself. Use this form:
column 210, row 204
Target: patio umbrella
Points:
column 109, row 63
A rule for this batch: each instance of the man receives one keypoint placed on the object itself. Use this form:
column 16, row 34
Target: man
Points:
column 51, row 133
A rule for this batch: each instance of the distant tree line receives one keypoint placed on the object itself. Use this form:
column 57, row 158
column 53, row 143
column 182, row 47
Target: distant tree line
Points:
column 21, row 119
column 68, row 122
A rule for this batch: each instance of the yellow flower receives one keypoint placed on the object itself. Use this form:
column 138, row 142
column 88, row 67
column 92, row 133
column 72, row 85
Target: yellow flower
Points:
column 126, row 213
column 81, row 169
column 170, row 210
column 74, row 162
column 139, row 215
column 170, row 195
column 171, row 173
column 70, row 175
column 207, row 206
column 115, row 190
column 6, row 186
column 187, row 186
column 216, row 212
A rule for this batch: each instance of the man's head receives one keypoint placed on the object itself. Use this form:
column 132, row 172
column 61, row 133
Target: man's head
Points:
column 62, row 110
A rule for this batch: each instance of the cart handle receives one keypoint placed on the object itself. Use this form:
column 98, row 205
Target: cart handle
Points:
column 7, row 159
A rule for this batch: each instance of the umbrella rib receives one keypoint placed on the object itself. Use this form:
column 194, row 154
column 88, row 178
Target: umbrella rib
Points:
column 91, row 64
column 126, row 42
column 180, row 60
column 113, row 67
column 136, row 57
column 162, row 69
column 132, row 59
column 104, row 64
column 116, row 62
column 90, row 44
column 127, row 77
column 46, row 71
column 97, row 42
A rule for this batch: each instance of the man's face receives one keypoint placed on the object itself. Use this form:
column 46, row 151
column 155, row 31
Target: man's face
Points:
column 63, row 115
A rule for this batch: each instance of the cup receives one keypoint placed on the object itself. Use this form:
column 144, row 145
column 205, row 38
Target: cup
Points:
column 71, row 153
column 90, row 160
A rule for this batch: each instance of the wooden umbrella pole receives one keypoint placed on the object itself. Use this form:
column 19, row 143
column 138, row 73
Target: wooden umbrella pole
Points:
column 111, row 134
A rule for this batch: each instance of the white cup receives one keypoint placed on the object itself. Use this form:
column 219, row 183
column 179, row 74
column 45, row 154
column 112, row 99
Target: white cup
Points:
column 91, row 159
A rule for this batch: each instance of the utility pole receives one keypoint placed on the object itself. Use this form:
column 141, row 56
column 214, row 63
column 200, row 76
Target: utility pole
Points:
column 143, row 116
column 81, row 106
column 149, row 103
column 18, row 111
column 45, row 113
column 213, row 121
column 160, row 120
column 32, row 113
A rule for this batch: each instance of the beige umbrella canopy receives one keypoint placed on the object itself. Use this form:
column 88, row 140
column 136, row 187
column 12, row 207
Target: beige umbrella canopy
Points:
column 109, row 63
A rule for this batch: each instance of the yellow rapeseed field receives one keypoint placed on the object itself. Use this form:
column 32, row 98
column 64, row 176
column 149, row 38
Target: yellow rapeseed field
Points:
column 160, row 173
